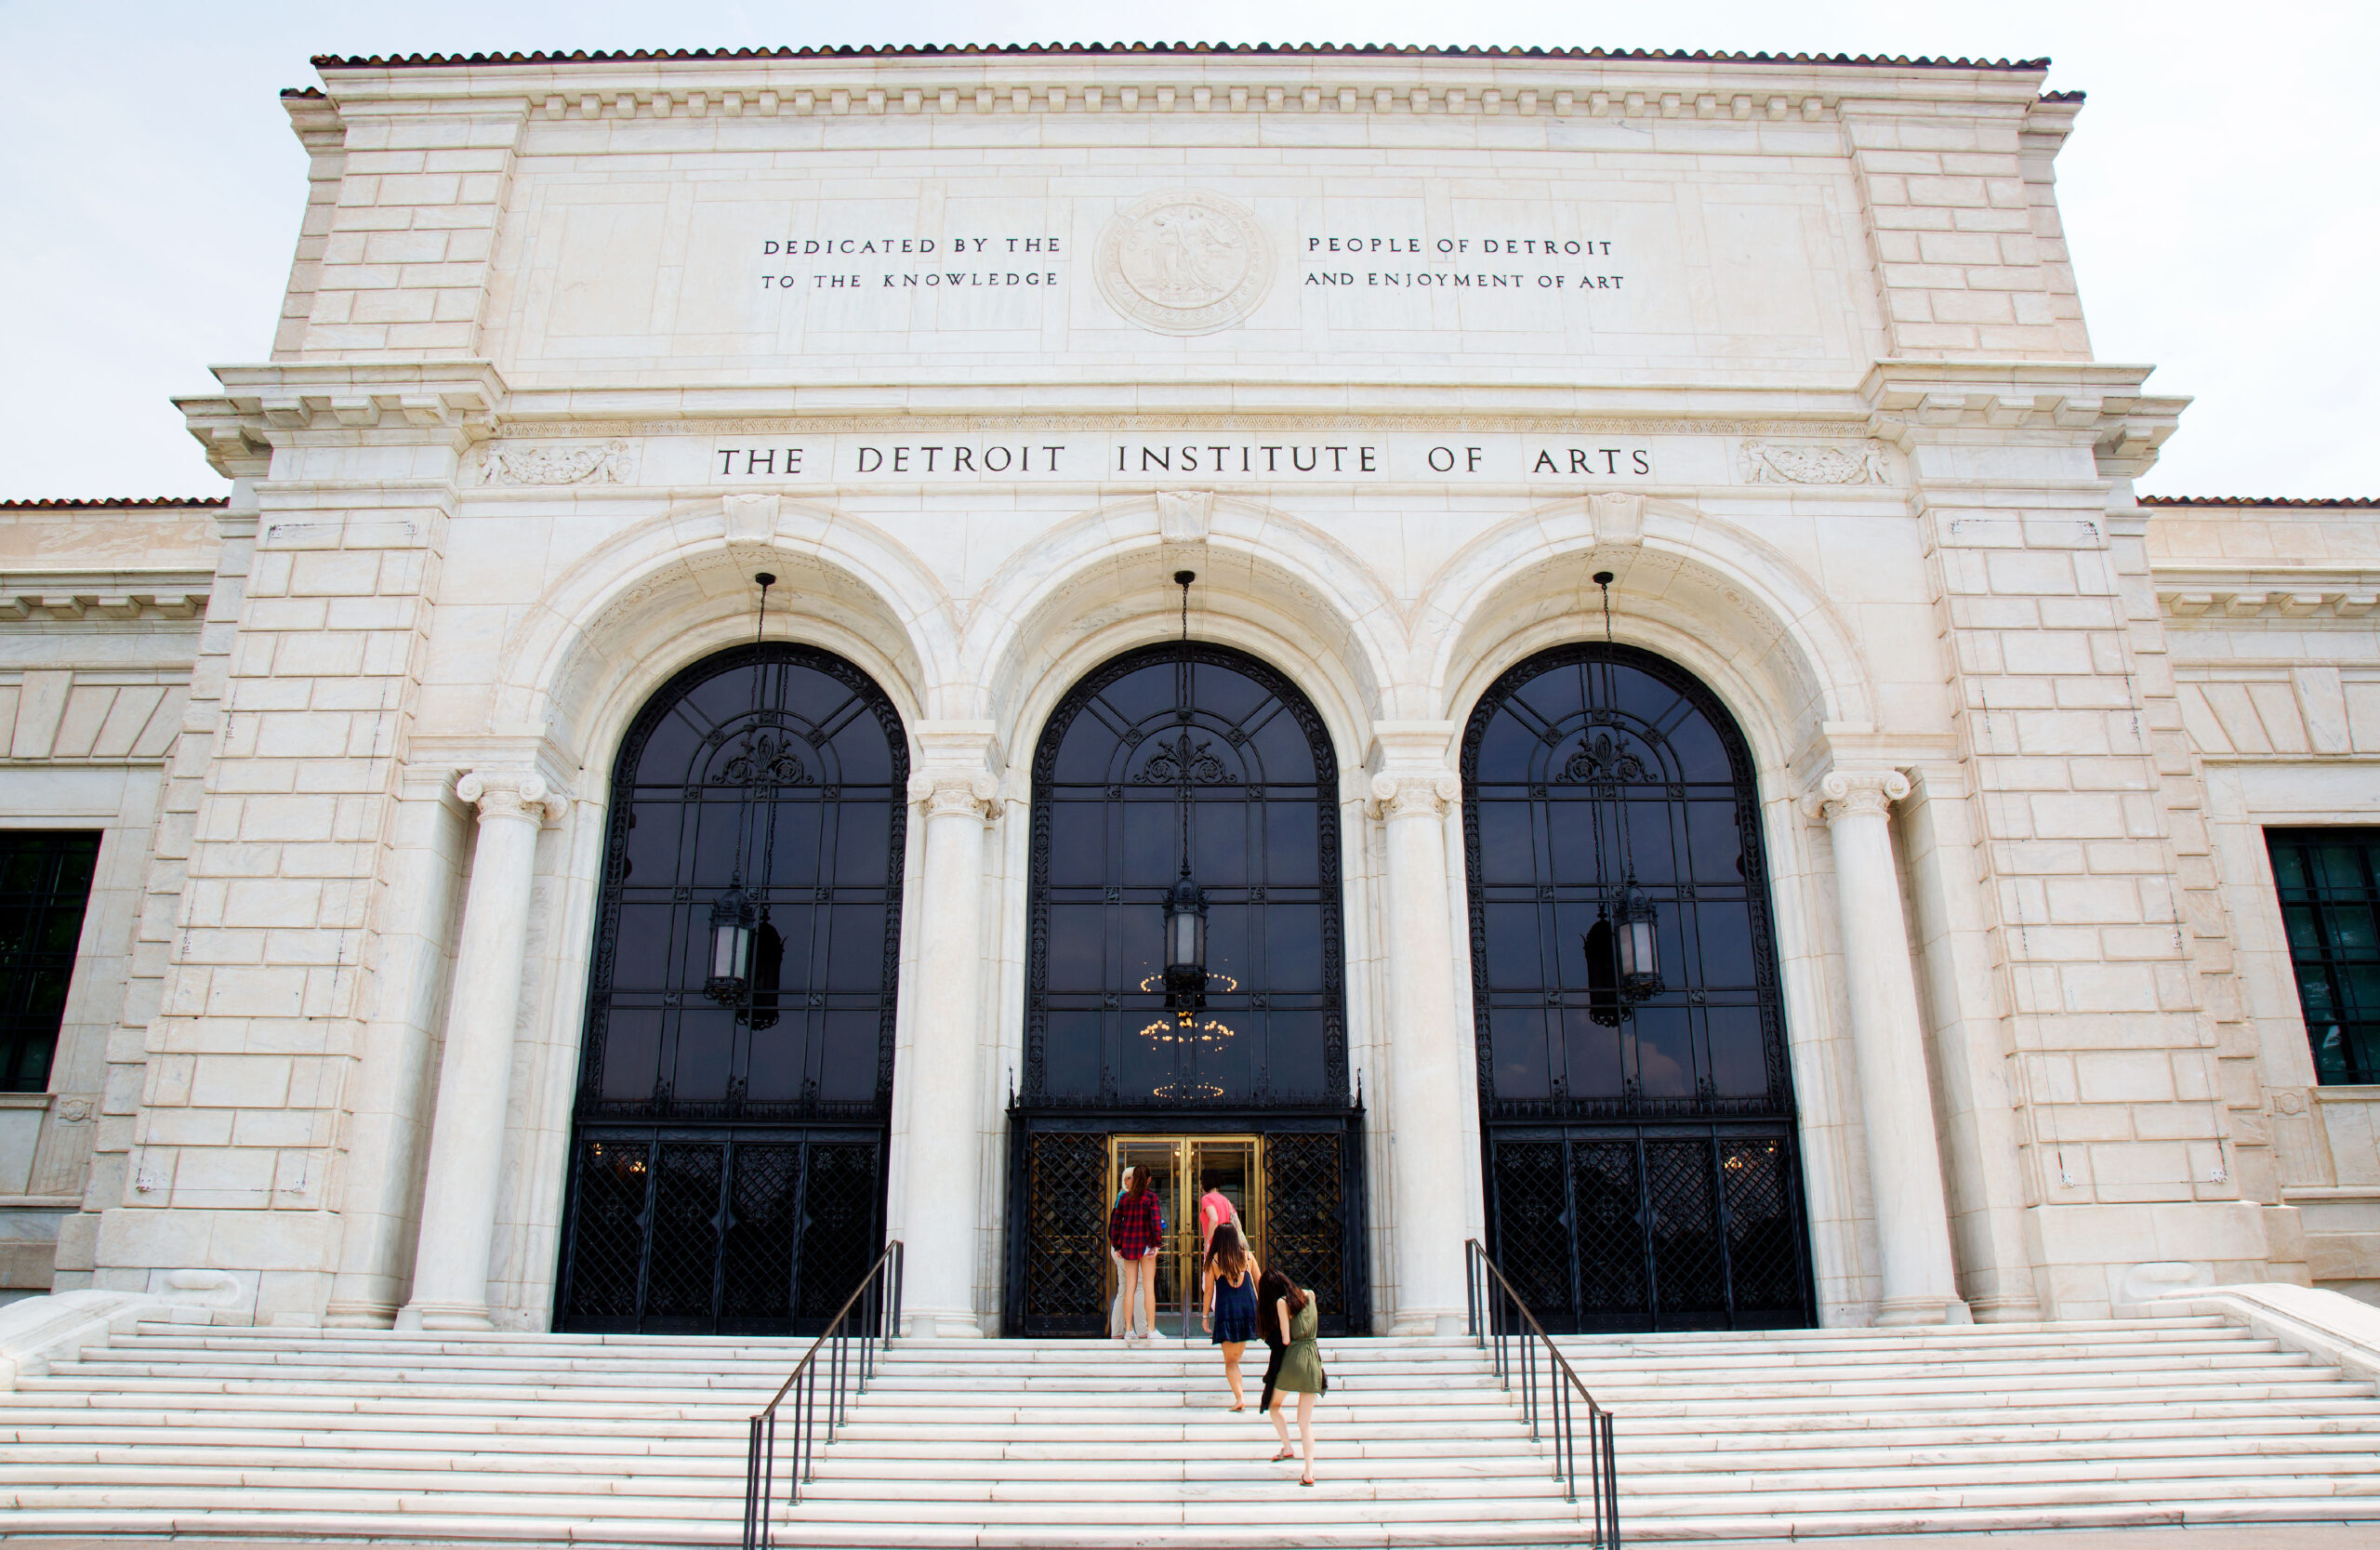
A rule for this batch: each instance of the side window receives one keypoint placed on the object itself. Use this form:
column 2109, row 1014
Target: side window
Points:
column 45, row 883
column 2329, row 904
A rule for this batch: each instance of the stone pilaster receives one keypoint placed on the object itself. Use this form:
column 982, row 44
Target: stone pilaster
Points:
column 1888, row 1045
column 942, row 1223
column 459, row 1195
column 389, row 1122
column 1427, row 1038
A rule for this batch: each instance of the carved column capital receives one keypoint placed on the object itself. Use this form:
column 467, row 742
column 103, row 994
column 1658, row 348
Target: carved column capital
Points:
column 511, row 794
column 1858, row 793
column 1413, row 795
column 944, row 793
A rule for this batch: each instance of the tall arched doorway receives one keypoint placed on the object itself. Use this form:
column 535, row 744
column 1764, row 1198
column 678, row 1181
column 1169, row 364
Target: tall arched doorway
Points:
column 1640, row 1145
column 726, row 1162
column 1251, row 1091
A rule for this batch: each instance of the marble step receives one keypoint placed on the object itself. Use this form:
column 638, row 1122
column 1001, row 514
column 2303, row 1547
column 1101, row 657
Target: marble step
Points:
column 1364, row 1533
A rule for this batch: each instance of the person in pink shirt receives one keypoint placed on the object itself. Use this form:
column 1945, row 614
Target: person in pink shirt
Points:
column 1214, row 1208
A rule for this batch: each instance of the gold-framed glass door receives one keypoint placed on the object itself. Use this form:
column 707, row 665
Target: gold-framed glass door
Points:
column 1183, row 1166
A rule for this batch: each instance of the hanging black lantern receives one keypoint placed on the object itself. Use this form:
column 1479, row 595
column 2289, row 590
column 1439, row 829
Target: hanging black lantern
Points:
column 1186, row 947
column 1639, row 944
column 733, row 918
column 734, row 915
column 1623, row 949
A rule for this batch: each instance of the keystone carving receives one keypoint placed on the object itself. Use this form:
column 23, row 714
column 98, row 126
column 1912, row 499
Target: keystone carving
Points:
column 1619, row 518
column 1184, row 516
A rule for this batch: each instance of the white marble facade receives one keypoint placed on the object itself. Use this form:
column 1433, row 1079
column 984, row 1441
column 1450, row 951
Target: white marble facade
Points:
column 1395, row 349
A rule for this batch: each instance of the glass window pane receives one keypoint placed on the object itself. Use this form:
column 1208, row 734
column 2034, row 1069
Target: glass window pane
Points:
column 2330, row 909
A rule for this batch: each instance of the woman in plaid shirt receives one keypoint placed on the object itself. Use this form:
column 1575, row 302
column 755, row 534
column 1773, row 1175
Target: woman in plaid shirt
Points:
column 1136, row 1230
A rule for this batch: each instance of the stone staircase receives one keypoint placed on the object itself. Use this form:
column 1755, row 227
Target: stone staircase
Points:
column 238, row 1433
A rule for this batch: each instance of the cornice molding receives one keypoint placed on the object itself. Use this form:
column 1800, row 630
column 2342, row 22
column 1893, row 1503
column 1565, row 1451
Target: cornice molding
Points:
column 60, row 596
column 2218, row 594
column 291, row 404
column 1912, row 401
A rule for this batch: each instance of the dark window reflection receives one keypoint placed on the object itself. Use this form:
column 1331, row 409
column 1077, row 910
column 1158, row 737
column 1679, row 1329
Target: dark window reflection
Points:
column 2329, row 882
column 787, row 767
column 1555, row 796
column 1107, row 844
column 45, row 885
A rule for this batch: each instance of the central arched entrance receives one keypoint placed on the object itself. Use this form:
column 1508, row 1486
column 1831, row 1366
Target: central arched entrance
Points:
column 1641, row 1152
column 727, row 1161
column 1253, row 1092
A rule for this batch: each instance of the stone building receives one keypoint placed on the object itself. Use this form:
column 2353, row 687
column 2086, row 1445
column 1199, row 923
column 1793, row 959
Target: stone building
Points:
column 1549, row 647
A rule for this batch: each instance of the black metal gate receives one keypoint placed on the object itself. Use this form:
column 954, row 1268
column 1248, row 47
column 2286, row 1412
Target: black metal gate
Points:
column 747, row 1231
column 726, row 1168
column 1640, row 1147
column 1653, row 1227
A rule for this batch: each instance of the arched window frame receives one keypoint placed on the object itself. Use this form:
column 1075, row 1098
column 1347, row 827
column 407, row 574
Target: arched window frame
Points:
column 1293, row 702
column 1777, row 1100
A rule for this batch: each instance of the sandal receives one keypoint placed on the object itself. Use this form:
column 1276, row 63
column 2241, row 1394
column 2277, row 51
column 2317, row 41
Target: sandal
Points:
column 1285, row 1455
column 1307, row 1481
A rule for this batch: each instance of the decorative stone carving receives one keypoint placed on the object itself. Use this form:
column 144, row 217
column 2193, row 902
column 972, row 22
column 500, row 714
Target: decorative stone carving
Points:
column 1813, row 463
column 944, row 793
column 1404, row 796
column 1184, row 262
column 1863, row 794
column 511, row 794
column 571, row 463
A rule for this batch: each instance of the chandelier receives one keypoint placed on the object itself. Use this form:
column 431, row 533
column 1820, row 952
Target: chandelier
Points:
column 1186, row 1025
column 1623, row 946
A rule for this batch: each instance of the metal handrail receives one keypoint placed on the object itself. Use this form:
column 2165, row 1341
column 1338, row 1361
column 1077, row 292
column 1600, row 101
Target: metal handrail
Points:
column 1498, row 1314
column 878, row 1299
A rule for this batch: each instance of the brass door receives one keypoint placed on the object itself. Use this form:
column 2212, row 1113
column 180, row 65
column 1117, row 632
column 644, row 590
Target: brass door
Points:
column 1183, row 1166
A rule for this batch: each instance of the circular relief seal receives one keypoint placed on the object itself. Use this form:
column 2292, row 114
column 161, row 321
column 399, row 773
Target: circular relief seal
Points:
column 1184, row 262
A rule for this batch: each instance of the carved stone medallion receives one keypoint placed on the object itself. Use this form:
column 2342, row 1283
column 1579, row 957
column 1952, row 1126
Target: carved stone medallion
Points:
column 1184, row 262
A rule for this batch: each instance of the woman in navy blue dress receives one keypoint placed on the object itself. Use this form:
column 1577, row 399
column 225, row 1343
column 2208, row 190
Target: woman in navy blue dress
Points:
column 1231, row 1301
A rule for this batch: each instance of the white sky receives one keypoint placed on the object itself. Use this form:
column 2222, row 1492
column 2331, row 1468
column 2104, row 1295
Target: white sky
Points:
column 2219, row 191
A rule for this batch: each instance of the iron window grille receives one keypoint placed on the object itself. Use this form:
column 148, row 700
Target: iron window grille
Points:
column 44, row 888
column 2328, row 881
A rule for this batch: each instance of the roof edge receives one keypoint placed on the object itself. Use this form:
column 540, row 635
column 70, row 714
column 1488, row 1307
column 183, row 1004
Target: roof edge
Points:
column 1074, row 50
column 2287, row 503
column 91, row 503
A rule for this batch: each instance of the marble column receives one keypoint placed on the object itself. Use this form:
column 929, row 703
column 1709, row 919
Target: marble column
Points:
column 1426, row 1041
column 944, row 1144
column 475, row 1076
column 1888, row 1043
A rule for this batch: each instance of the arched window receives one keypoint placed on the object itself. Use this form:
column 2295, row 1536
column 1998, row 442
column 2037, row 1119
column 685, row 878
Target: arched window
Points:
column 1118, row 765
column 727, row 1159
column 1639, row 1133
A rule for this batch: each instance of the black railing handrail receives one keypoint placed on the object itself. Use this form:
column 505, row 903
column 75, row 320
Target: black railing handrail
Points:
column 1488, row 1321
column 878, row 1299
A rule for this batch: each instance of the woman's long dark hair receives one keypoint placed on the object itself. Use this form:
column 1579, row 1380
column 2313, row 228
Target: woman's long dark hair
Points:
column 1274, row 1286
column 1227, row 1256
column 1142, row 1180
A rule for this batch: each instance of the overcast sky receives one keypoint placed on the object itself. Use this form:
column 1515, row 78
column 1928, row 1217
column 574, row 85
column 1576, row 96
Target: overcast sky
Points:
column 2219, row 191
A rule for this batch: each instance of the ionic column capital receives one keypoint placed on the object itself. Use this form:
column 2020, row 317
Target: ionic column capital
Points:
column 511, row 794
column 950, row 793
column 1421, row 794
column 1858, row 793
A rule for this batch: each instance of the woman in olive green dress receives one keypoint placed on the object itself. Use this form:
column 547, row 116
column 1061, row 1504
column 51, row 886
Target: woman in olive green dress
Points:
column 1290, row 1310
